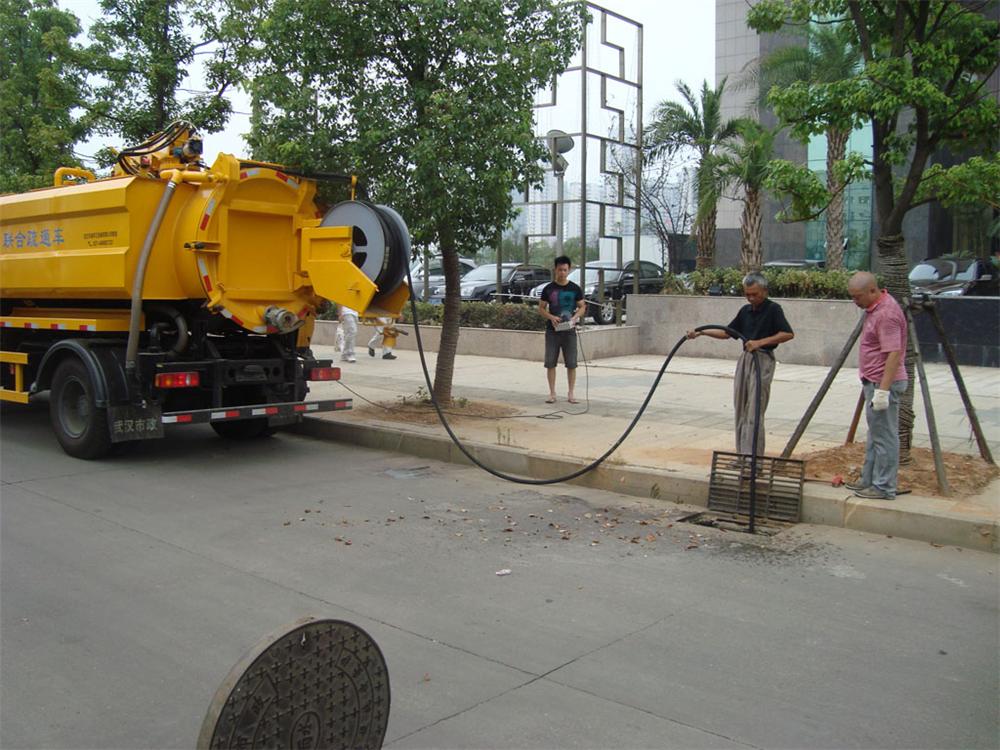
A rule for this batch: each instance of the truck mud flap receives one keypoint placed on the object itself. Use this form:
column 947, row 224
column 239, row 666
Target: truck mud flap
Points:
column 128, row 422
column 277, row 414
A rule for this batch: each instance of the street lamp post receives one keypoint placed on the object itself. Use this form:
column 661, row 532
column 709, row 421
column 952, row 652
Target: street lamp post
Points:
column 559, row 144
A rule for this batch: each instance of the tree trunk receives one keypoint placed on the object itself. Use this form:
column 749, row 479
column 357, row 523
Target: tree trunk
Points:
column 445, row 367
column 836, row 147
column 706, row 241
column 893, row 263
column 892, row 256
column 751, row 244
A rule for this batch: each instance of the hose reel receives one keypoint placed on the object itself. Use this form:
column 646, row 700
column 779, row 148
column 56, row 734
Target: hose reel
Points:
column 381, row 241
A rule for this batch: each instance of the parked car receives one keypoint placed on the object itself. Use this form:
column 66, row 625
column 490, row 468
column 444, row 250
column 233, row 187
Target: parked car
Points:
column 516, row 282
column 435, row 273
column 954, row 277
column 803, row 263
column 619, row 282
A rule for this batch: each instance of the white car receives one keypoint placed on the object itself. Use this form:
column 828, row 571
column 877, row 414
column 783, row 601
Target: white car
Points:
column 435, row 274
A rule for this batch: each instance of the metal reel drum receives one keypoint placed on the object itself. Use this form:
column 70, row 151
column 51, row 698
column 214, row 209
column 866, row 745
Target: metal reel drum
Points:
column 321, row 684
column 381, row 241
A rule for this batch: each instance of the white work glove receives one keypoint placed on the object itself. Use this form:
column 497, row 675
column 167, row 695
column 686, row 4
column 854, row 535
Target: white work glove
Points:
column 880, row 400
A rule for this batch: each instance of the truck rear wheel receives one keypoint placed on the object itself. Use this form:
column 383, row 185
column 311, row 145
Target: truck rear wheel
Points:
column 80, row 426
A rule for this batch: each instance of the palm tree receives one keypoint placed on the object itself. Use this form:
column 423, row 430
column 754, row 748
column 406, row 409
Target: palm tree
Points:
column 743, row 163
column 696, row 123
column 827, row 56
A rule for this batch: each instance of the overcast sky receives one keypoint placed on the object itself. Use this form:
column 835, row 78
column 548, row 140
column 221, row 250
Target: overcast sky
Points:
column 679, row 43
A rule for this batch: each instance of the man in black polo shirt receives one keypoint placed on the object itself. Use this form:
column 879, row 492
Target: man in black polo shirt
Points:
column 763, row 324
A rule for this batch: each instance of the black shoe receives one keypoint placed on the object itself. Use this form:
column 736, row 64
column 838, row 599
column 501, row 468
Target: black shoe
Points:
column 388, row 355
column 371, row 352
column 856, row 486
column 870, row 493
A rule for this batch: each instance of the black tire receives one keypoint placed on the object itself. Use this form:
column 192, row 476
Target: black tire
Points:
column 603, row 314
column 243, row 429
column 81, row 427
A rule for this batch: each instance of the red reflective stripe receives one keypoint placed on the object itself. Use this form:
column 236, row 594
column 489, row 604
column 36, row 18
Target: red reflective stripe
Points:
column 184, row 417
column 236, row 320
column 243, row 175
column 232, row 413
column 271, row 410
column 281, row 176
column 208, row 283
column 300, row 407
column 204, row 221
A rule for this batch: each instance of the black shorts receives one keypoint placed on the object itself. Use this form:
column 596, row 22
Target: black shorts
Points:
column 556, row 341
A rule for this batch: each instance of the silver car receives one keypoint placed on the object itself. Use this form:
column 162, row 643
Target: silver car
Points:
column 435, row 274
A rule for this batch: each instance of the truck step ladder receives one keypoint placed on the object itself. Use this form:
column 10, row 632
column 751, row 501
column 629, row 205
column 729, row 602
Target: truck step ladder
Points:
column 16, row 362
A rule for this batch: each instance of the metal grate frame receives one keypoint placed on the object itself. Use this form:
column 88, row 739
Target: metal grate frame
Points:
column 778, row 487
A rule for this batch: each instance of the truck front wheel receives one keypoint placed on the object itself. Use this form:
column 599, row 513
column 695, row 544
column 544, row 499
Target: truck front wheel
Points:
column 80, row 426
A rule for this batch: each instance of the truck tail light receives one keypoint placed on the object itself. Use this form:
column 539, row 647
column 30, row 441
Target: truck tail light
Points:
column 177, row 379
column 324, row 373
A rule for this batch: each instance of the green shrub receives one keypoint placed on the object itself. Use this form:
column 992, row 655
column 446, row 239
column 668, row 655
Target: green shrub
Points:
column 675, row 284
column 427, row 314
column 516, row 317
column 524, row 317
column 782, row 282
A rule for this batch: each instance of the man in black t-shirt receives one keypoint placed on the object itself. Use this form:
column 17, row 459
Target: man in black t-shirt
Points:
column 561, row 305
column 763, row 324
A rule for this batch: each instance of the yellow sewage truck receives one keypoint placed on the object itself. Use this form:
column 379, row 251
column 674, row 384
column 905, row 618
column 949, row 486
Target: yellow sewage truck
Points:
column 174, row 293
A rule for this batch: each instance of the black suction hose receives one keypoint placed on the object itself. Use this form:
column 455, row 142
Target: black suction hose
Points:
column 597, row 462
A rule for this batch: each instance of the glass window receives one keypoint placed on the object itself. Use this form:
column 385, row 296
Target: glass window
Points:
column 925, row 272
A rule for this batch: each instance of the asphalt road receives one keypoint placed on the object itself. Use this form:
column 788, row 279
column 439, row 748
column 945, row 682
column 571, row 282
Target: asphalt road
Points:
column 130, row 588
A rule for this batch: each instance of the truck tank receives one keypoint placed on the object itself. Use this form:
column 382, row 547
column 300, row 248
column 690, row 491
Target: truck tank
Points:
column 244, row 237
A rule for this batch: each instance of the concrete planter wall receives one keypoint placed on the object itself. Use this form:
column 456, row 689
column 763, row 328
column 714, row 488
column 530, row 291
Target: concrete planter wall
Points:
column 821, row 326
column 657, row 321
column 596, row 343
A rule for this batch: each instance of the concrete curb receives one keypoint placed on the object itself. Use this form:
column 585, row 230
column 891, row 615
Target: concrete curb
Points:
column 827, row 506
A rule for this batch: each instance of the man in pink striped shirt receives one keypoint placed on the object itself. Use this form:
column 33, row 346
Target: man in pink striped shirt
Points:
column 883, row 377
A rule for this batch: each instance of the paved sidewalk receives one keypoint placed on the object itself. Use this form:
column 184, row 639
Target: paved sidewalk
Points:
column 669, row 453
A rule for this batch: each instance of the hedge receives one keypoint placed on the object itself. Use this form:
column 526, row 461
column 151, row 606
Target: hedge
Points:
column 516, row 317
column 782, row 282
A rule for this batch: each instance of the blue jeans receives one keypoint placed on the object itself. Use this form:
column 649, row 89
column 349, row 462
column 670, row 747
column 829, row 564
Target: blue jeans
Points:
column 882, row 449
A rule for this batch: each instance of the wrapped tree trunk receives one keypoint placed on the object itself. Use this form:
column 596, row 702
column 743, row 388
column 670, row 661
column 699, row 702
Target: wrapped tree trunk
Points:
column 892, row 255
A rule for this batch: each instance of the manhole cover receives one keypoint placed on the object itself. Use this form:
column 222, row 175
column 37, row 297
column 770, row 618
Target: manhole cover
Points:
column 322, row 684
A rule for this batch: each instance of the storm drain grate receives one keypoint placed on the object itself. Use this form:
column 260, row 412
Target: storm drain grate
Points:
column 778, row 486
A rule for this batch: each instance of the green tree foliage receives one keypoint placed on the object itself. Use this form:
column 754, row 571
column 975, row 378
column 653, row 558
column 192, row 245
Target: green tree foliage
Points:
column 696, row 122
column 430, row 102
column 924, row 88
column 825, row 54
column 142, row 52
column 42, row 91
